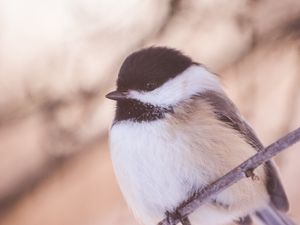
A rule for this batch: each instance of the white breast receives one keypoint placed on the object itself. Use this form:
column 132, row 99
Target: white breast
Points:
column 149, row 166
column 156, row 168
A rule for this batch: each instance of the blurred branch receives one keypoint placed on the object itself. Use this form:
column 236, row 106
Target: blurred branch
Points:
column 50, row 166
column 174, row 9
column 243, row 170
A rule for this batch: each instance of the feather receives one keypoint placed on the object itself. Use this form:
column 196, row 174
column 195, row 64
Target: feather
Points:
column 226, row 112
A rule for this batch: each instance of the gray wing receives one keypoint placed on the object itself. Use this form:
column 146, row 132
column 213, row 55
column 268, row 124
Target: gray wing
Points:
column 226, row 112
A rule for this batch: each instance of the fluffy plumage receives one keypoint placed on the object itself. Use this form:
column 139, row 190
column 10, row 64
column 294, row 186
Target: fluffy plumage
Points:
column 182, row 134
column 161, row 163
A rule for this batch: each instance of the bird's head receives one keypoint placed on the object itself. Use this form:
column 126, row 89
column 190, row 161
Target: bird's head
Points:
column 161, row 77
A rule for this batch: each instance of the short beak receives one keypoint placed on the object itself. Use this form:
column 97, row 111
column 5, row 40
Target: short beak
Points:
column 117, row 95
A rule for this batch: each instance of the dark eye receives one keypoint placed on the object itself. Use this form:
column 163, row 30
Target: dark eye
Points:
column 150, row 86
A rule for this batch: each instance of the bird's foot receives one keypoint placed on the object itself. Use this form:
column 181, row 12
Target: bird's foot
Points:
column 244, row 220
column 171, row 218
column 175, row 216
column 250, row 173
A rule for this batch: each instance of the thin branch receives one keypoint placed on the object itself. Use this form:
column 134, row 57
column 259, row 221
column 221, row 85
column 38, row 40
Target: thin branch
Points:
column 241, row 171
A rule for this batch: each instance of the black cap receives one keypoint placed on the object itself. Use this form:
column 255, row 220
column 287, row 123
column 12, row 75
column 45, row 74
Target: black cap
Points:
column 149, row 68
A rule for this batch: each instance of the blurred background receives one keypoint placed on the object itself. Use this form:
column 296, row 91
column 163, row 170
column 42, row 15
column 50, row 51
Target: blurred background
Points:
column 58, row 58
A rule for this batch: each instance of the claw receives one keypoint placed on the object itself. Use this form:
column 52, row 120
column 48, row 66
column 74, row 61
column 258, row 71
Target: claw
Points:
column 250, row 173
column 173, row 217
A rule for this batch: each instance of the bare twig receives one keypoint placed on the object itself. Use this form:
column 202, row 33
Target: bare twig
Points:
column 241, row 171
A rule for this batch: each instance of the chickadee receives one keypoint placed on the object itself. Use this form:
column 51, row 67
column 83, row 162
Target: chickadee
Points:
column 175, row 131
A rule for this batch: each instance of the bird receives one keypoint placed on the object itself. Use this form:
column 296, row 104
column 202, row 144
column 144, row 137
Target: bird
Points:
column 175, row 131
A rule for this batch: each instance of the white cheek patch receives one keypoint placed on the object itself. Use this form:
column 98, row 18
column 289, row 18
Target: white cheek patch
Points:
column 193, row 80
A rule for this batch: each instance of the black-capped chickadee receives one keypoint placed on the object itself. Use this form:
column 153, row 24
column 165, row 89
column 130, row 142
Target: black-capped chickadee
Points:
column 175, row 131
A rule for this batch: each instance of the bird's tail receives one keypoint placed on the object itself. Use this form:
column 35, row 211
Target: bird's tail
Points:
column 271, row 216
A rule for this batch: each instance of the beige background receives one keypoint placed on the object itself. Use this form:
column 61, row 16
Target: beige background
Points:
column 58, row 58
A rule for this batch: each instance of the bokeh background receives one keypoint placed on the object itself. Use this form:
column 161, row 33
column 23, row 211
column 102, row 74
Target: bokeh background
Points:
column 58, row 58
